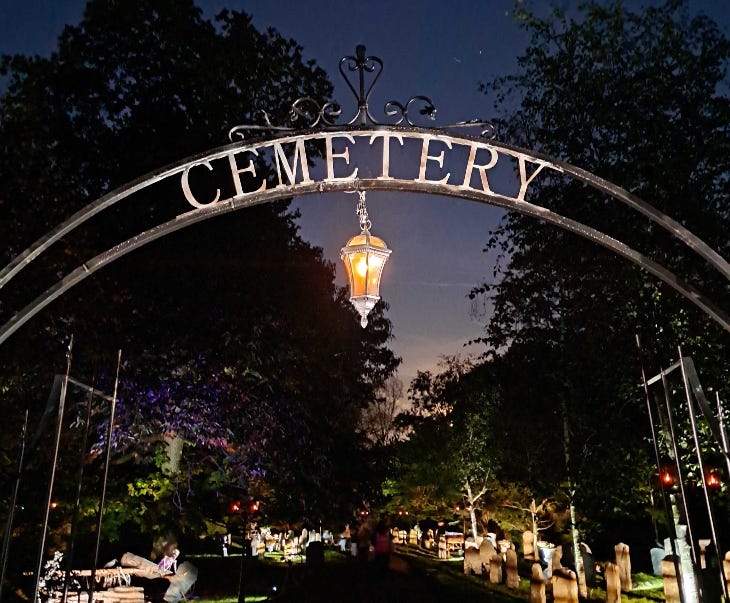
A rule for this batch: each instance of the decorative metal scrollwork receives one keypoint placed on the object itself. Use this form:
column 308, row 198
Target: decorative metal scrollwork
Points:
column 307, row 113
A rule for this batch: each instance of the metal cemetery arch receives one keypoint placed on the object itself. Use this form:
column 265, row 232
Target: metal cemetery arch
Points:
column 471, row 160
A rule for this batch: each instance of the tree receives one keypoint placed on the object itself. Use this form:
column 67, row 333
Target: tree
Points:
column 452, row 448
column 648, row 110
column 217, row 352
column 379, row 419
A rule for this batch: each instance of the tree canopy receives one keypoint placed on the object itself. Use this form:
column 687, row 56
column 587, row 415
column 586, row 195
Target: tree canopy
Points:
column 235, row 340
column 641, row 99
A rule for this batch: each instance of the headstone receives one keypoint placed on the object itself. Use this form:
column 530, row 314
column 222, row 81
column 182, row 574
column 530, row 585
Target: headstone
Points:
column 565, row 586
column 528, row 547
column 315, row 554
column 669, row 576
column 495, row 569
column 557, row 560
column 623, row 560
column 472, row 562
column 150, row 568
column 513, row 578
column 443, row 550
column 613, row 583
column 545, row 555
column 486, row 551
column 537, row 584
column 181, row 582
column 712, row 587
column 657, row 554
column 688, row 581
column 589, row 564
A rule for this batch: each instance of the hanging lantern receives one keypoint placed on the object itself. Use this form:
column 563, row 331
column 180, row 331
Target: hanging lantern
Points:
column 364, row 256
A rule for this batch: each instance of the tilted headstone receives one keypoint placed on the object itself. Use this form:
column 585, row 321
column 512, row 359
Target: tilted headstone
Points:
column 565, row 586
column 537, row 584
column 513, row 578
column 147, row 569
column 472, row 562
column 181, row 582
column 495, row 569
column 669, row 577
column 528, row 545
column 623, row 560
column 613, row 584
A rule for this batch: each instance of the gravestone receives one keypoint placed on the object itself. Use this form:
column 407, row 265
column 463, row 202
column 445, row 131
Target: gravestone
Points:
column 495, row 569
column 513, row 578
column 613, row 583
column 147, row 569
column 537, row 584
column 623, row 560
column 181, row 582
column 472, row 562
column 557, row 560
column 545, row 555
column 565, row 586
column 669, row 576
column 443, row 550
column 587, row 576
column 657, row 554
column 315, row 554
column 486, row 551
column 528, row 545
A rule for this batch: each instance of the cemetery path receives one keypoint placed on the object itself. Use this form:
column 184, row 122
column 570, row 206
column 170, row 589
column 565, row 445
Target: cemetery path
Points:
column 353, row 584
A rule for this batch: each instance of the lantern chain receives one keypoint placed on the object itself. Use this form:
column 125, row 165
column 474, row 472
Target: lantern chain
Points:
column 362, row 213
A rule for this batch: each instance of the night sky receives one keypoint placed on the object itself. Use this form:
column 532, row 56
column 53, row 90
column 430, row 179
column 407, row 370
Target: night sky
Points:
column 442, row 50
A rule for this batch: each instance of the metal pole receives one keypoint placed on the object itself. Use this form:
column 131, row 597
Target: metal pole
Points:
column 693, row 553
column 241, row 576
column 77, row 503
column 13, row 502
column 667, row 511
column 723, row 433
column 710, row 512
column 102, row 497
column 59, row 427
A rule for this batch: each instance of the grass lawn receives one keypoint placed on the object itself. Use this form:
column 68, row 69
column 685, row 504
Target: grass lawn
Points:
column 341, row 578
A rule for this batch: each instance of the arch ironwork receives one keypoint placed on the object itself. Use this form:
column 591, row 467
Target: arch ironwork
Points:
column 444, row 161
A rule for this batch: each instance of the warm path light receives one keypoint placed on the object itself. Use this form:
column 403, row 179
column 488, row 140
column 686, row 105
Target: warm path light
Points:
column 364, row 256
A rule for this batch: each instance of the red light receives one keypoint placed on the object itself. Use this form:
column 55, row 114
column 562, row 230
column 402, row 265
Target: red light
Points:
column 254, row 506
column 667, row 478
column 713, row 480
column 235, row 506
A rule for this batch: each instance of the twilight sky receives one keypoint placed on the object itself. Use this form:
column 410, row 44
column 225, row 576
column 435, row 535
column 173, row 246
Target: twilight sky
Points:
column 434, row 48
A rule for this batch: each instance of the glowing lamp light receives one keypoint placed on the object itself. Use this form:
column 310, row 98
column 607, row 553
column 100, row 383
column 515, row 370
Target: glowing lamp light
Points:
column 713, row 481
column 667, row 478
column 364, row 256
